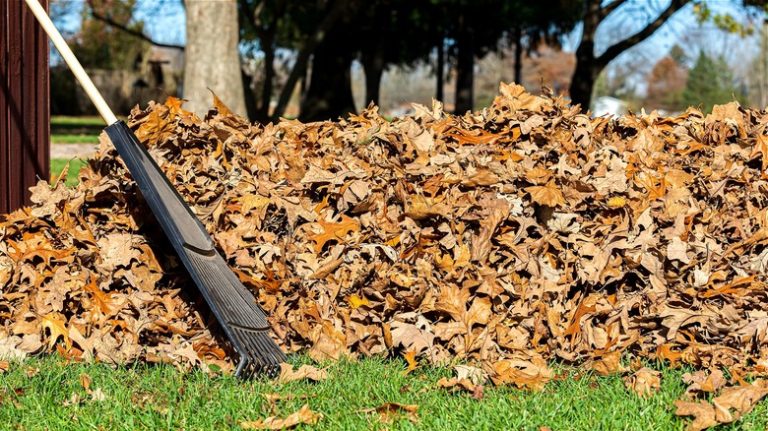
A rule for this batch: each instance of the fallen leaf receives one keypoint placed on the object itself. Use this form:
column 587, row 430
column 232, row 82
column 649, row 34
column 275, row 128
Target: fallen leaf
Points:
column 644, row 382
column 548, row 195
column 302, row 416
column 389, row 412
column 304, row 372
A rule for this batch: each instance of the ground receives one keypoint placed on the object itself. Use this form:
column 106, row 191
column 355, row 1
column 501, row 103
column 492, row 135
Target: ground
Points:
column 161, row 397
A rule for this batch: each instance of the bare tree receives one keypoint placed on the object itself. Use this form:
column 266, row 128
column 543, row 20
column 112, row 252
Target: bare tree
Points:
column 588, row 63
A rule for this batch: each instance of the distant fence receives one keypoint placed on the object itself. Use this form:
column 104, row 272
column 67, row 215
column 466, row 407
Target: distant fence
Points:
column 24, row 111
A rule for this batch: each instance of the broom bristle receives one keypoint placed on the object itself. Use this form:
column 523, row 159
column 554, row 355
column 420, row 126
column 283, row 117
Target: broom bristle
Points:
column 242, row 319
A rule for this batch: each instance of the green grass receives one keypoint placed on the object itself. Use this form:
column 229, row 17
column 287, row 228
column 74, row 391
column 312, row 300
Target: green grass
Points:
column 163, row 398
column 67, row 121
column 66, row 130
column 57, row 165
column 75, row 139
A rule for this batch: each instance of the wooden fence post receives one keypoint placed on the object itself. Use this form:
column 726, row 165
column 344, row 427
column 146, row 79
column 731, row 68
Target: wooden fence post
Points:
column 24, row 104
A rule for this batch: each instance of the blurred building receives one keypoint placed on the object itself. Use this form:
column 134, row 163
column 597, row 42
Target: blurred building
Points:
column 156, row 74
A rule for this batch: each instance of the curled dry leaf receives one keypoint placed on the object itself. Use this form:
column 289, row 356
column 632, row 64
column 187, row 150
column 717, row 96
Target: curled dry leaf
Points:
column 644, row 382
column 732, row 403
column 302, row 416
column 85, row 381
column 304, row 372
column 521, row 373
column 456, row 384
column 703, row 381
column 390, row 412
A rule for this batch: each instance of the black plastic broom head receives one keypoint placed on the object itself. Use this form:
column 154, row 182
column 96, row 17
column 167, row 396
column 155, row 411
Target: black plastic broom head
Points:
column 241, row 318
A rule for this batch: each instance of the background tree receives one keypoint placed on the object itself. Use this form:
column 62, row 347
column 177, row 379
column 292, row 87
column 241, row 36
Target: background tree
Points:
column 588, row 63
column 666, row 82
column 759, row 71
column 105, row 46
column 710, row 83
column 212, row 59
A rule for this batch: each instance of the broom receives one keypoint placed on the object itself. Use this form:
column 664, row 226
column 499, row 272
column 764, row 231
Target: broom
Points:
column 243, row 321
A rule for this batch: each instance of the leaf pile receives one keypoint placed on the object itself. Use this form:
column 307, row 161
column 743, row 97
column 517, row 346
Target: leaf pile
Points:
column 507, row 238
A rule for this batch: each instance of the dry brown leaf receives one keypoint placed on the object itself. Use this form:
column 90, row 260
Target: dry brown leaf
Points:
column 302, row 416
column 455, row 384
column 390, row 412
column 304, row 372
column 532, row 374
column 703, row 414
column 549, row 195
column 410, row 358
column 644, row 382
column 85, row 381
column 703, row 381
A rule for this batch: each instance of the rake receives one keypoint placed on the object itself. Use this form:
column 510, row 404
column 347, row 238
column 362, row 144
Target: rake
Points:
column 243, row 321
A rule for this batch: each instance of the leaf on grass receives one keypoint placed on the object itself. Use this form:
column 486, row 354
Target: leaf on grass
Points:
column 97, row 395
column 303, row 416
column 389, row 412
column 703, row 381
column 533, row 374
column 85, row 381
column 456, row 385
column 703, row 414
column 608, row 364
column 304, row 372
column 410, row 358
column 644, row 382
column 732, row 403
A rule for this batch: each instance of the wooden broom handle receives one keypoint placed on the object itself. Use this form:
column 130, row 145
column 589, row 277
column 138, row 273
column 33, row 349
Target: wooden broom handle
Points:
column 72, row 62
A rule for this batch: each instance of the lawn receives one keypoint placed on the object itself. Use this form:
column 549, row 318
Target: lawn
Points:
column 47, row 393
column 75, row 130
column 75, row 139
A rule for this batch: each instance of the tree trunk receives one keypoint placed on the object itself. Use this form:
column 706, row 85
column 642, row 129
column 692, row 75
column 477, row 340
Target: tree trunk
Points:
column 373, row 65
column 518, row 76
column 584, row 76
column 211, row 58
column 465, row 69
column 330, row 87
column 337, row 9
column 262, row 114
column 440, row 69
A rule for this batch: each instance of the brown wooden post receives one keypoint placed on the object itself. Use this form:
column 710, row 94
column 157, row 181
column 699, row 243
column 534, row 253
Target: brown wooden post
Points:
column 24, row 109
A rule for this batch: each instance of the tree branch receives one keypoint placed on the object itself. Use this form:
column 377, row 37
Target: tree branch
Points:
column 109, row 21
column 610, row 7
column 614, row 50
